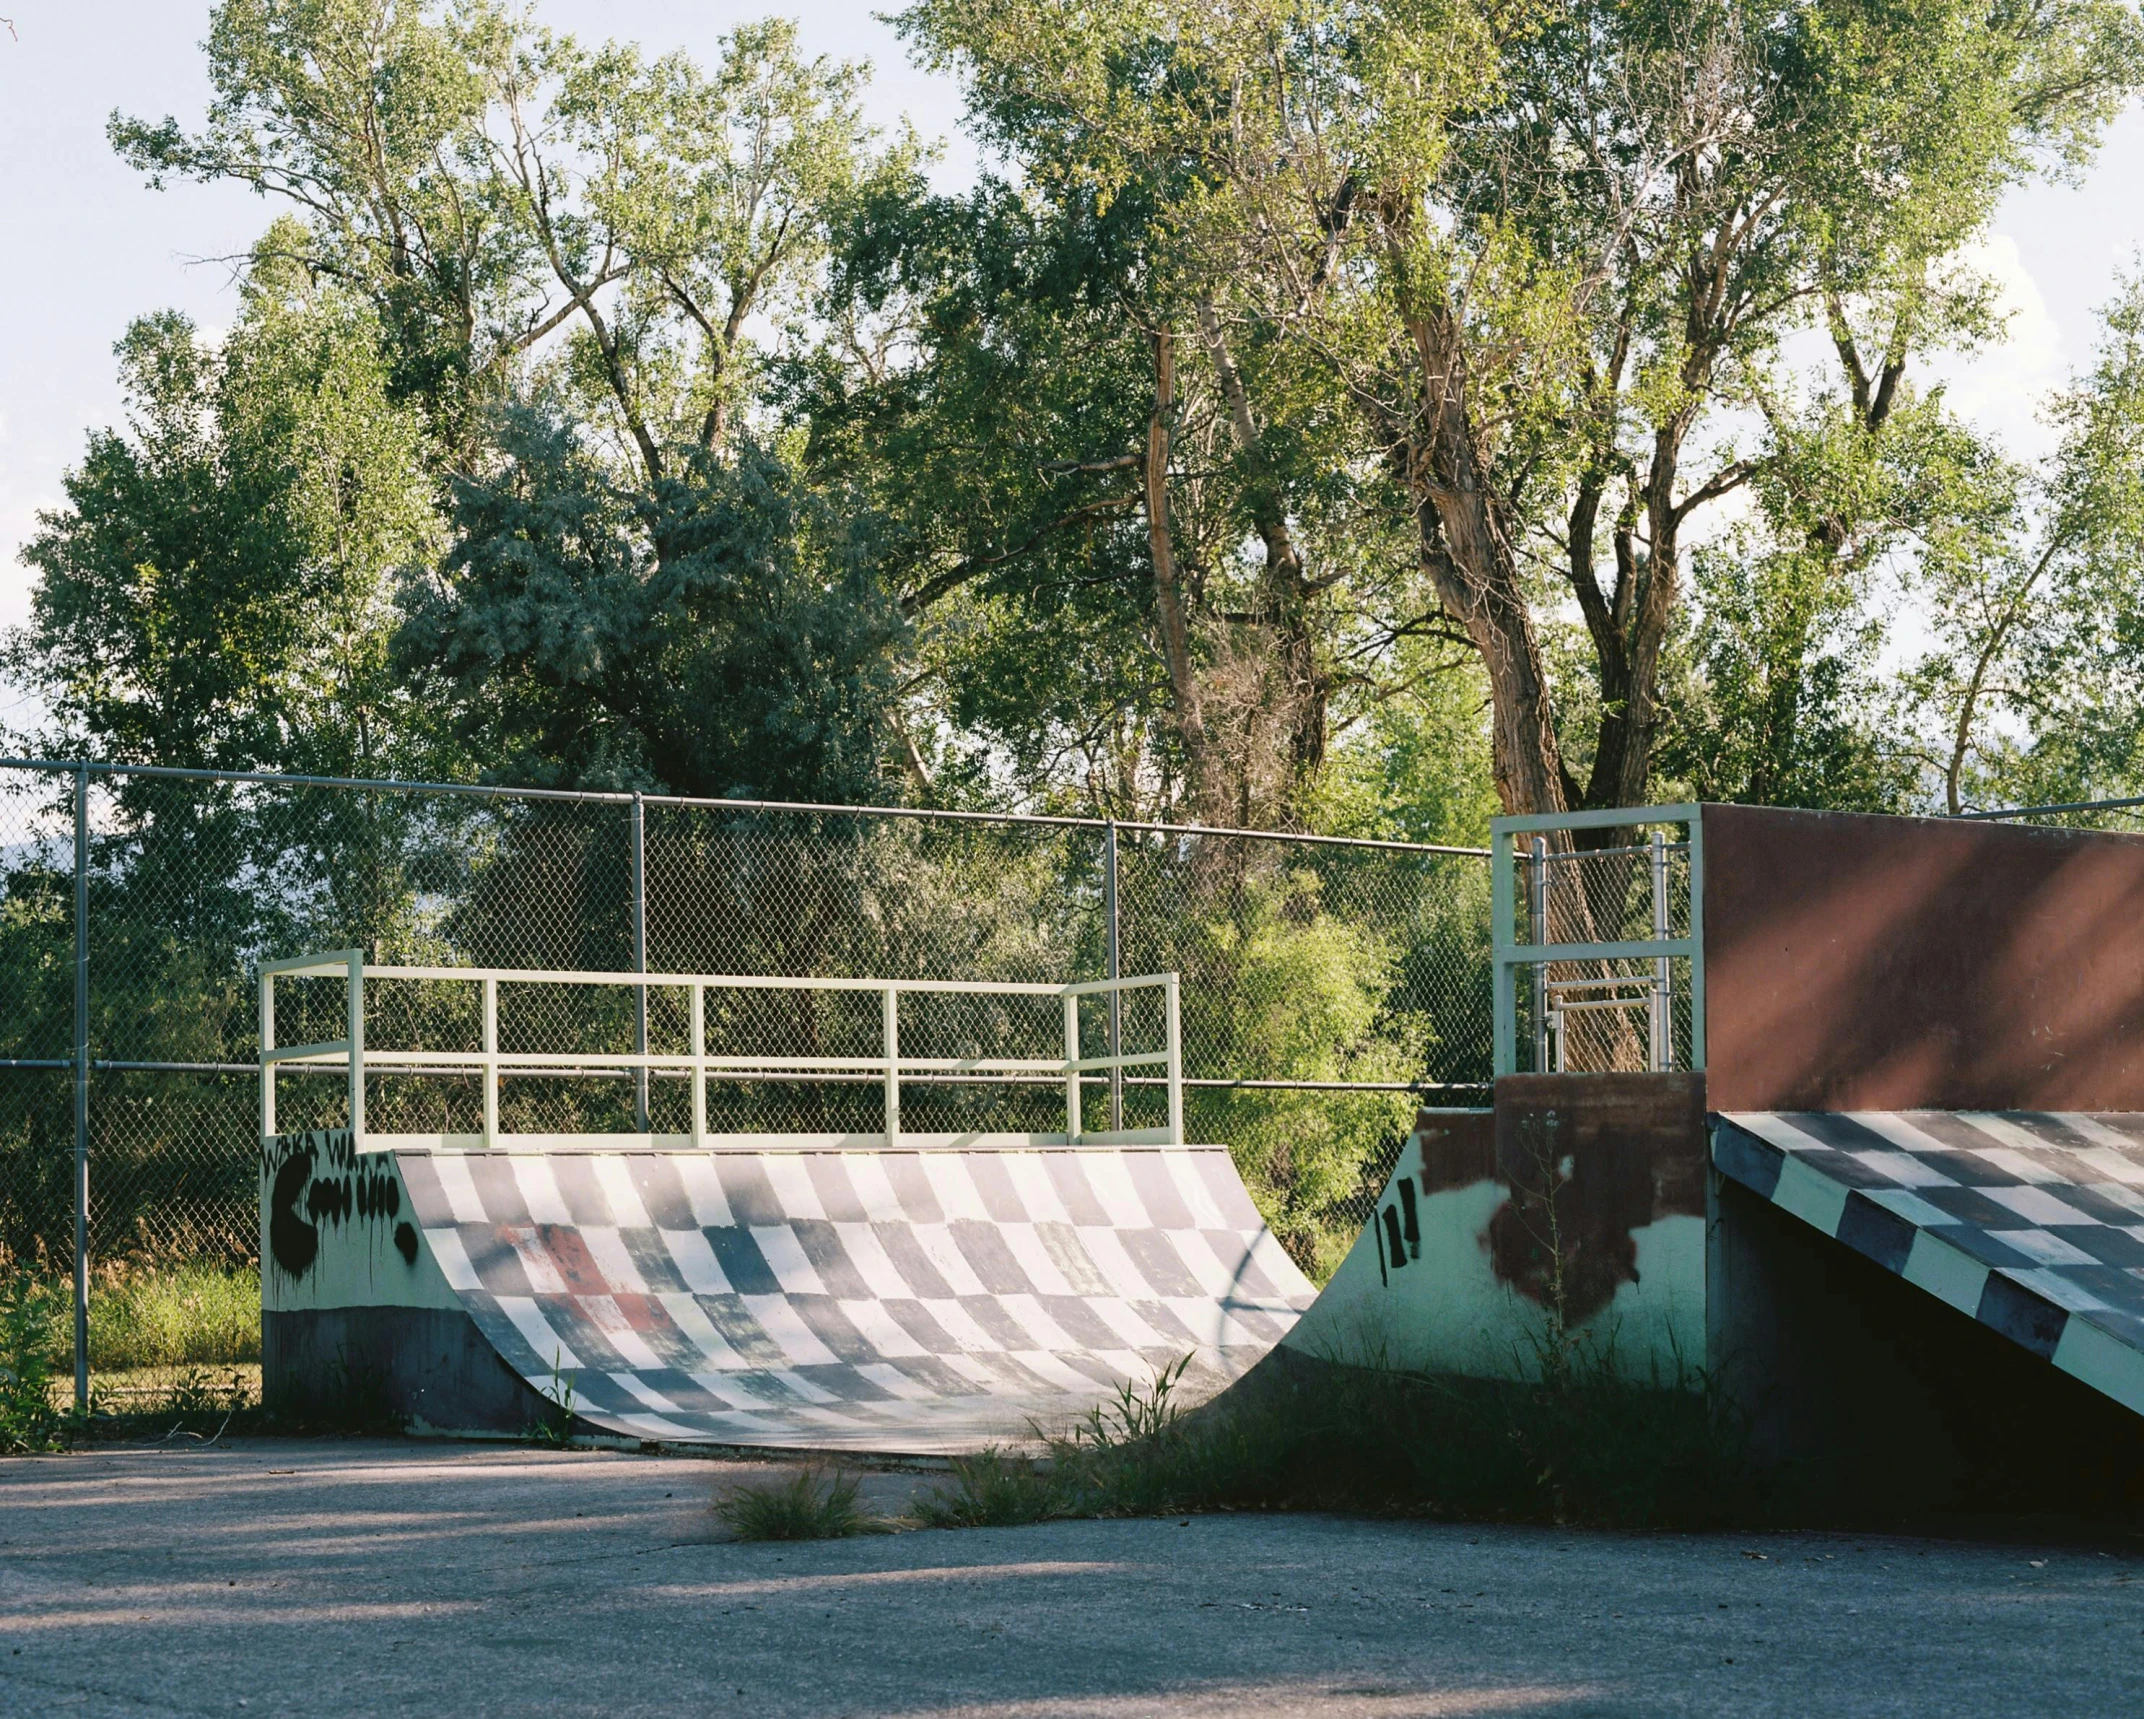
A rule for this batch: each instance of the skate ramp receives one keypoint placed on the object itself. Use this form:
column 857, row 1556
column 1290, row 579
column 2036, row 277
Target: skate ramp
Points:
column 903, row 1302
column 2031, row 1223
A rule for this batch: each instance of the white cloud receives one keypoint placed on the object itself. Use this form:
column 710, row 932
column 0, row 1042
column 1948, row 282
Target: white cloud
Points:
column 2000, row 388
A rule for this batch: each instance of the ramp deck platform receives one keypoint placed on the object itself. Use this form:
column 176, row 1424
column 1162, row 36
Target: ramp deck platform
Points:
column 2031, row 1223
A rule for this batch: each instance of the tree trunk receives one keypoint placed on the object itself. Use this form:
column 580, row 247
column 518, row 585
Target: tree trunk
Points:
column 1168, row 587
column 1287, row 585
column 1465, row 544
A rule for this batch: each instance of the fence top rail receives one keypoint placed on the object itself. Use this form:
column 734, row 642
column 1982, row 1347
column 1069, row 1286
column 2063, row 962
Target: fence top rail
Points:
column 339, row 966
column 2130, row 804
column 1603, row 818
column 601, row 797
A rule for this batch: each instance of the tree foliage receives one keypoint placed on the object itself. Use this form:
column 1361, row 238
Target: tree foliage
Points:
column 1307, row 396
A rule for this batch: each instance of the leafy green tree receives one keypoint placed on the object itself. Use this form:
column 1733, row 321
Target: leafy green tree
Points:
column 218, row 592
column 1550, row 259
column 721, row 634
column 2031, row 687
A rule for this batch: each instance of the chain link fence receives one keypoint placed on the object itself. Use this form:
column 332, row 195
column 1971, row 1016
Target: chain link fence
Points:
column 1329, row 987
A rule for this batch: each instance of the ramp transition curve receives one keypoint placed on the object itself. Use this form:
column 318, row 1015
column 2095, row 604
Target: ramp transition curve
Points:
column 903, row 1302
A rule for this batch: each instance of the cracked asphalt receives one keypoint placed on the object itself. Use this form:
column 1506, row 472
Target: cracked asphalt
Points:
column 327, row 1578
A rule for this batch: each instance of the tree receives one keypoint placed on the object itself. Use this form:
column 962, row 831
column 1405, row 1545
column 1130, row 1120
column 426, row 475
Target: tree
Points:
column 1548, row 256
column 719, row 634
column 218, row 592
column 572, row 255
column 2030, row 686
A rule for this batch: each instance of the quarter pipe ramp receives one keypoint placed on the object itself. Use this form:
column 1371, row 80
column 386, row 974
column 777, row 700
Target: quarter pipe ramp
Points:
column 903, row 1302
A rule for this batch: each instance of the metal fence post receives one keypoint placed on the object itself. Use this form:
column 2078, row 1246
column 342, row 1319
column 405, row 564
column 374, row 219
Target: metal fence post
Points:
column 1116, row 971
column 81, row 1090
column 1662, row 1011
column 640, row 960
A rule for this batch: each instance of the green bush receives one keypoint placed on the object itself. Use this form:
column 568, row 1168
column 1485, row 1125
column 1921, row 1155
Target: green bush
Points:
column 32, row 1325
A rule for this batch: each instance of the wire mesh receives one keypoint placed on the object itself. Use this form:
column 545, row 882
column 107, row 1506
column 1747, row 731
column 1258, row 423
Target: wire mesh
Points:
column 1359, row 969
column 1340, row 966
column 1609, row 1013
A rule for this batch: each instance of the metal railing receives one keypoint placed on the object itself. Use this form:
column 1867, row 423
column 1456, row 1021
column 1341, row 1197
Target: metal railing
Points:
column 357, row 1059
column 1591, row 930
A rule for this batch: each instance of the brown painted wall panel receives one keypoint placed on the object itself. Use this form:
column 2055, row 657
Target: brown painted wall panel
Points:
column 1590, row 1159
column 1873, row 963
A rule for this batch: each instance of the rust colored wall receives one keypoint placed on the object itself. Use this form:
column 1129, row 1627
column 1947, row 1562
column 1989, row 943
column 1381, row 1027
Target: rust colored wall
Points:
column 1872, row 963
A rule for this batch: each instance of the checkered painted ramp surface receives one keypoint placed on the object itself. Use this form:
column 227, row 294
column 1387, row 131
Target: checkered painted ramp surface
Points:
column 902, row 1302
column 2033, row 1224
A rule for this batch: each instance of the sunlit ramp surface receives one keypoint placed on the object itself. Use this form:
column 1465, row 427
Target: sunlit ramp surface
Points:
column 906, row 1302
column 2031, row 1223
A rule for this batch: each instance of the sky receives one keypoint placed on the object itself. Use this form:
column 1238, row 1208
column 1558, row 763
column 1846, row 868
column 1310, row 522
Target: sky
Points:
column 90, row 246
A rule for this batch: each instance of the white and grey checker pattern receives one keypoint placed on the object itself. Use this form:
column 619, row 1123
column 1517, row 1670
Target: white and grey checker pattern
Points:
column 904, row 1302
column 2031, row 1223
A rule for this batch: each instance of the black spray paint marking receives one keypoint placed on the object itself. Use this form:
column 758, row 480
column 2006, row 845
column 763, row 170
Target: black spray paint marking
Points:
column 292, row 1242
column 317, row 1179
column 1402, row 1232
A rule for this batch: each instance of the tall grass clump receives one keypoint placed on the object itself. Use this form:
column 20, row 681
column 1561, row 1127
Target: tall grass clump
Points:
column 994, row 1489
column 174, row 1313
column 812, row 1504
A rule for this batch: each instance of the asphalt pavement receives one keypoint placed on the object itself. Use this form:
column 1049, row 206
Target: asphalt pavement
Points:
column 328, row 1578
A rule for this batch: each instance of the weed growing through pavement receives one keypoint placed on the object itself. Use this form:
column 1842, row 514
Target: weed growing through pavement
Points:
column 813, row 1504
column 993, row 1489
column 554, row 1425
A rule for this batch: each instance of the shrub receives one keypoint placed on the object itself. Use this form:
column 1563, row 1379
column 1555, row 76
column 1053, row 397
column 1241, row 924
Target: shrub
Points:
column 32, row 1320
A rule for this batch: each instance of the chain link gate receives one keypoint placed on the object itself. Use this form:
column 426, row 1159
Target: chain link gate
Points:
column 1329, row 986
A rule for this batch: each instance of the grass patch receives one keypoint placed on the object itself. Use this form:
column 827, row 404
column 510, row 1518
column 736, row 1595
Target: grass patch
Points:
column 174, row 1314
column 994, row 1490
column 1584, row 1448
column 813, row 1504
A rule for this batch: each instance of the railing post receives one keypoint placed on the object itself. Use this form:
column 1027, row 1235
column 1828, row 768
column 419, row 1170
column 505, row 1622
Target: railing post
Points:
column 1503, row 930
column 267, row 1041
column 890, row 1012
column 1538, row 932
column 699, row 1062
column 1115, row 962
column 1696, row 828
column 357, row 1050
column 81, row 1089
column 1072, row 1118
column 640, row 959
column 1172, row 1024
column 1663, row 1019
column 491, row 1060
